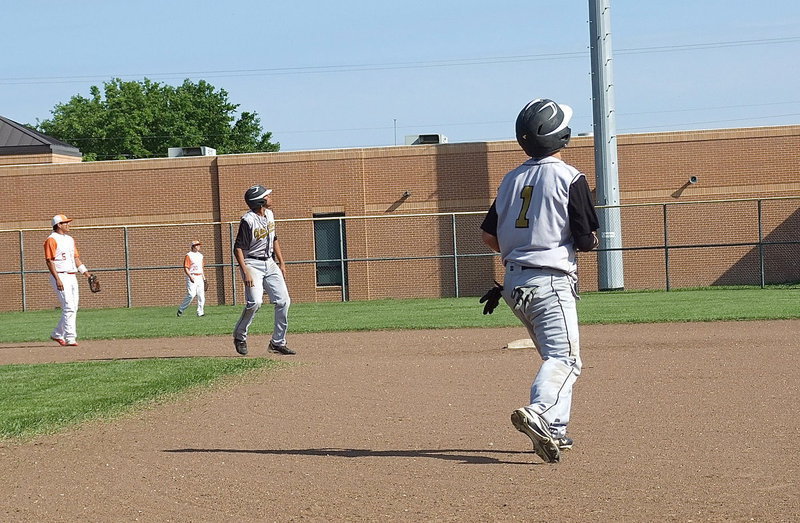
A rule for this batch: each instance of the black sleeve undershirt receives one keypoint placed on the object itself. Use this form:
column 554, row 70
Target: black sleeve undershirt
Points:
column 243, row 236
column 490, row 221
column 582, row 215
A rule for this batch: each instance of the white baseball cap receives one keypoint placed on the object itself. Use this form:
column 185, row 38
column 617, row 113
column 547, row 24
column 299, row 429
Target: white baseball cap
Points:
column 59, row 218
column 196, row 242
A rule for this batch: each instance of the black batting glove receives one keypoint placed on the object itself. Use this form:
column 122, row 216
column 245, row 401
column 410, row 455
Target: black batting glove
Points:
column 492, row 298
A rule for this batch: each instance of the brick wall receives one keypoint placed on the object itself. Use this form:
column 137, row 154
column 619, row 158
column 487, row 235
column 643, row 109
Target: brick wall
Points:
column 732, row 163
column 16, row 159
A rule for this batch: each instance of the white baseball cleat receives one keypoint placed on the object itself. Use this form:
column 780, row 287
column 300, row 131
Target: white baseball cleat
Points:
column 538, row 430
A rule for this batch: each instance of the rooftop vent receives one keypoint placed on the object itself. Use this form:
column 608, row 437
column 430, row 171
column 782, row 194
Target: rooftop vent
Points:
column 179, row 152
column 425, row 139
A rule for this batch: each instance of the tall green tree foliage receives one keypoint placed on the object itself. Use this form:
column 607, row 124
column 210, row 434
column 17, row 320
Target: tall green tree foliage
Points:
column 143, row 119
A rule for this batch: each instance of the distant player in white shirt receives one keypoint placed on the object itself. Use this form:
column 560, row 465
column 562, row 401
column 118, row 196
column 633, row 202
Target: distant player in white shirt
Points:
column 543, row 213
column 195, row 280
column 64, row 262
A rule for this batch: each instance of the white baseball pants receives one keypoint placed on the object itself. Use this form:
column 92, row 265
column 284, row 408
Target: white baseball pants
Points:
column 267, row 276
column 195, row 288
column 66, row 328
column 544, row 300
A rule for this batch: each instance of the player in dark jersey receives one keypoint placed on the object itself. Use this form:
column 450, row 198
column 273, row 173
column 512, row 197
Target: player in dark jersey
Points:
column 260, row 259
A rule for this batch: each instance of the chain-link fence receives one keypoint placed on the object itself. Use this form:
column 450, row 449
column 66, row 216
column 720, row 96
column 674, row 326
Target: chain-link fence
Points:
column 338, row 258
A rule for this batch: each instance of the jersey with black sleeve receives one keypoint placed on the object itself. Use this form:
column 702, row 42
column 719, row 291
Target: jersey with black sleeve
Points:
column 256, row 235
column 542, row 212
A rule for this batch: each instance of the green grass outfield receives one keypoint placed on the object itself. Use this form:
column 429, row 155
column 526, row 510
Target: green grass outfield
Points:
column 44, row 398
column 715, row 304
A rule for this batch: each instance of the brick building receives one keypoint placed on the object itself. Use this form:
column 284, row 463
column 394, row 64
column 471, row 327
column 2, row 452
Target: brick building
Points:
column 384, row 181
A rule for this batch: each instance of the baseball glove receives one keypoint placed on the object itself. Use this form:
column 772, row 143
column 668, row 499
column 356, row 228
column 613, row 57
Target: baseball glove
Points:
column 94, row 283
column 205, row 285
column 492, row 298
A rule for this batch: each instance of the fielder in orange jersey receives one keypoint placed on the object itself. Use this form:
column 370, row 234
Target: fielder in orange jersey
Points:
column 64, row 262
column 195, row 279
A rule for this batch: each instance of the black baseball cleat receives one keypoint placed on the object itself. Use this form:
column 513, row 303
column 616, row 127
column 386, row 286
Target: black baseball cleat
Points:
column 564, row 443
column 180, row 313
column 537, row 429
column 240, row 346
column 280, row 349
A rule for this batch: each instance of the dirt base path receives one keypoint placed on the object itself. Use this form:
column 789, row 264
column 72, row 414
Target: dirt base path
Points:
column 671, row 422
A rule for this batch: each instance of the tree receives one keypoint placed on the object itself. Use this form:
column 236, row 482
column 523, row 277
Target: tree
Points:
column 143, row 119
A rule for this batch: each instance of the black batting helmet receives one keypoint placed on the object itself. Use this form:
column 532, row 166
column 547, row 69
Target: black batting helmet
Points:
column 256, row 196
column 542, row 127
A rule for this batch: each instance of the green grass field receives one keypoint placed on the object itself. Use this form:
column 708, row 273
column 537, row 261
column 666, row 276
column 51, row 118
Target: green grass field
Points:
column 598, row 307
column 40, row 399
column 43, row 398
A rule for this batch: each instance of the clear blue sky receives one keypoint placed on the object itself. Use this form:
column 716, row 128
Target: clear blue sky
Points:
column 354, row 73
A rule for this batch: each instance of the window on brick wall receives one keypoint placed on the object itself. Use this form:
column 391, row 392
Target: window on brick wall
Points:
column 330, row 249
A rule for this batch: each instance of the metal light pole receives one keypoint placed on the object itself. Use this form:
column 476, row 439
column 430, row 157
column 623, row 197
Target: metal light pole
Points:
column 609, row 263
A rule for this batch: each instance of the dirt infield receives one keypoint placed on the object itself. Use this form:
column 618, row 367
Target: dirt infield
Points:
column 679, row 422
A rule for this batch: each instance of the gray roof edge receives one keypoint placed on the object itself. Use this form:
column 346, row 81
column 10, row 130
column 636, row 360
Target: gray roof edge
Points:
column 44, row 148
column 66, row 150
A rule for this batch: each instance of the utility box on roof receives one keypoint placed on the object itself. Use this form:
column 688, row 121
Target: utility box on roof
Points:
column 179, row 152
column 425, row 139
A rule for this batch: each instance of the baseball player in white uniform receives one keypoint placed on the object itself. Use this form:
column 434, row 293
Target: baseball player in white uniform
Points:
column 543, row 213
column 64, row 263
column 260, row 260
column 195, row 280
